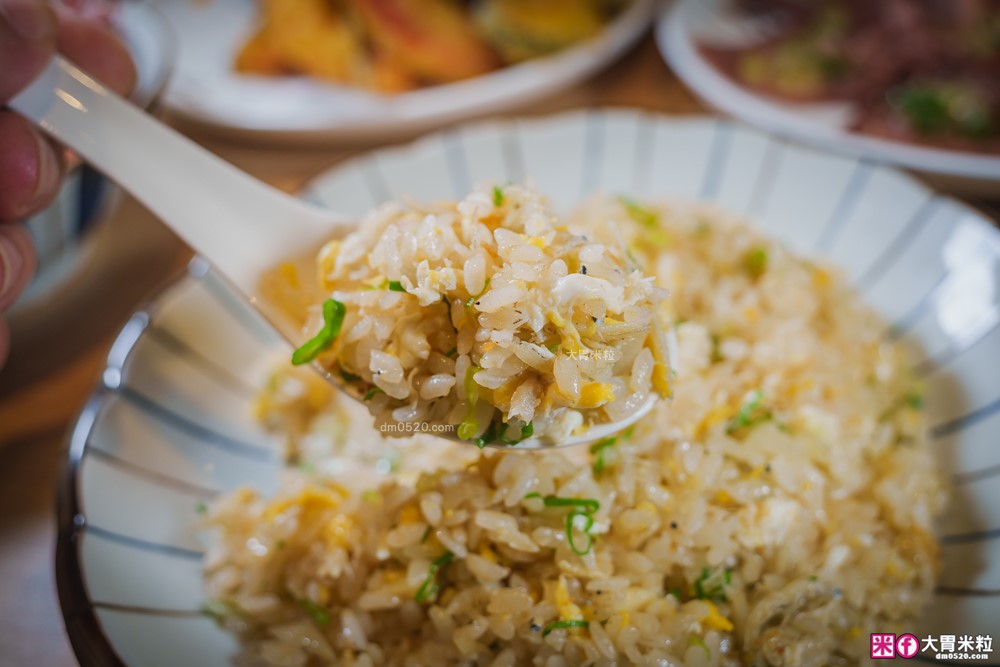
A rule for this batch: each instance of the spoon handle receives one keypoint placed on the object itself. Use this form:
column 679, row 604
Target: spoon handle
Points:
column 239, row 224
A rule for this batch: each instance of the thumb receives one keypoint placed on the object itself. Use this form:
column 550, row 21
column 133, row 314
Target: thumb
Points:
column 27, row 42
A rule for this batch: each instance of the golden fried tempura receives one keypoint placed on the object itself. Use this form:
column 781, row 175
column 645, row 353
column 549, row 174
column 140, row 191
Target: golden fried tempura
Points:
column 434, row 41
column 524, row 29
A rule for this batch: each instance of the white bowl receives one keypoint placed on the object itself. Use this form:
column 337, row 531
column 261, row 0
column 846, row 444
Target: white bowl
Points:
column 169, row 427
column 207, row 91
column 824, row 125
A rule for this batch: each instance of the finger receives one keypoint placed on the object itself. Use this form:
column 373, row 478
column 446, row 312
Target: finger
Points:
column 27, row 41
column 17, row 263
column 30, row 168
column 95, row 47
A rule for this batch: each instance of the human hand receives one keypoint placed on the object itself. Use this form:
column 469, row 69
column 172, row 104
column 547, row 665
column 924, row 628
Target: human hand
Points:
column 32, row 166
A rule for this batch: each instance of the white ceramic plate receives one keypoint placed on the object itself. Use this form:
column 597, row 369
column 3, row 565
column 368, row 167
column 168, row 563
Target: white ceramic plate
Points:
column 169, row 428
column 205, row 88
column 823, row 125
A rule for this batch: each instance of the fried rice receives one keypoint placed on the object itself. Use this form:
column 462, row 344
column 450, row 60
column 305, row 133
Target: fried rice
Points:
column 488, row 317
column 774, row 512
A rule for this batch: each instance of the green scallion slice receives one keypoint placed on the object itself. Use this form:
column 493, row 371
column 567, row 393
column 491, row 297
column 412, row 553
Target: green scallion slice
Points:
column 564, row 625
column 586, row 504
column 571, row 528
column 429, row 589
column 320, row 615
column 333, row 319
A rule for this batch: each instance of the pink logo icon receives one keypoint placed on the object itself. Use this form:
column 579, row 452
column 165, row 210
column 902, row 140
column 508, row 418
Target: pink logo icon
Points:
column 907, row 646
column 883, row 646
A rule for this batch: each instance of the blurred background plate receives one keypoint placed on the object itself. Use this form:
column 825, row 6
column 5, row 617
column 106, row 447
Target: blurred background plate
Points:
column 206, row 90
column 170, row 427
column 823, row 125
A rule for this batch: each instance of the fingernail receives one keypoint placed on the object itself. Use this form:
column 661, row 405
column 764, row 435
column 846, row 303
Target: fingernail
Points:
column 49, row 169
column 16, row 263
column 31, row 19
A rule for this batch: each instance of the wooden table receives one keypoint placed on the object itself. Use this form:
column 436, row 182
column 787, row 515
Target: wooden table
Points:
column 58, row 352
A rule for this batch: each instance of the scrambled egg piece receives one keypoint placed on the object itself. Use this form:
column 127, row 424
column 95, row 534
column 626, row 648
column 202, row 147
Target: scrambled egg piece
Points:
column 716, row 621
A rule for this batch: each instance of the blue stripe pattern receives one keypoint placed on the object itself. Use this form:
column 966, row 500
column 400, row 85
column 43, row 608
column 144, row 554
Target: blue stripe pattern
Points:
column 966, row 420
column 965, row 538
column 767, row 177
column 722, row 138
column 593, row 152
column 202, row 363
column 135, row 470
column 901, row 326
column 847, row 204
column 143, row 545
column 458, row 168
column 513, row 158
column 898, row 246
column 197, row 431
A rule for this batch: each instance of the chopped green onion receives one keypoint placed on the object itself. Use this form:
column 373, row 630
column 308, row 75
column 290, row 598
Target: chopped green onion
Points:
column 471, row 388
column 307, row 467
column 587, row 504
column 349, row 377
column 333, row 319
column 429, row 589
column 318, row 614
column 467, row 429
column 498, row 196
column 533, row 494
column 426, row 535
column 564, row 625
column 914, row 401
column 217, row 610
column 638, row 213
column 396, row 286
column 695, row 640
column 926, row 109
column 750, row 413
column 755, row 262
column 526, row 432
column 660, row 238
column 489, row 436
column 201, row 508
column 470, row 425
column 452, row 353
column 599, row 449
column 571, row 526
column 584, row 507
column 627, row 433
column 472, row 299
column 371, row 393
column 372, row 497
column 676, row 592
column 711, row 585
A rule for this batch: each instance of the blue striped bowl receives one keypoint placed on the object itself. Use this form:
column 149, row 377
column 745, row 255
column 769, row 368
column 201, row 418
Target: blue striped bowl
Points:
column 169, row 426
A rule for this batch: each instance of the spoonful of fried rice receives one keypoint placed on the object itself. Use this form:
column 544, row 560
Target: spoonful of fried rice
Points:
column 484, row 321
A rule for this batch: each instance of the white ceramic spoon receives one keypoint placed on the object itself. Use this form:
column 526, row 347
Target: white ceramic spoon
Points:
column 240, row 225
